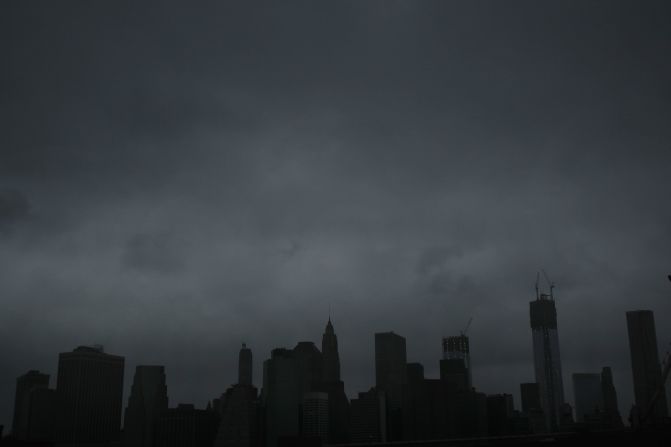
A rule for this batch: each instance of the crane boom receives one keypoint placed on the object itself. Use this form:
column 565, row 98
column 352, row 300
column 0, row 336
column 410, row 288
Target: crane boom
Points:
column 468, row 325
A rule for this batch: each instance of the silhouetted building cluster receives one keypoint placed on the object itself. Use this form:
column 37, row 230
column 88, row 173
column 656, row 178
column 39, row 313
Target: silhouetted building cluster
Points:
column 303, row 401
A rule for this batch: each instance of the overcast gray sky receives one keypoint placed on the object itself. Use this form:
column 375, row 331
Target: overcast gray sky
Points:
column 178, row 179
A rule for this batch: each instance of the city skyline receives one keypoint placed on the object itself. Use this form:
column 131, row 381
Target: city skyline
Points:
column 176, row 181
column 245, row 359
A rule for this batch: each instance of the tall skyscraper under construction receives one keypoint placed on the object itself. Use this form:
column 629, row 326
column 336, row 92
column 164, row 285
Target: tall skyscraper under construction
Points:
column 457, row 347
column 547, row 363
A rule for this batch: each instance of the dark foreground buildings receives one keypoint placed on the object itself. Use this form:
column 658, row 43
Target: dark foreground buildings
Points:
column 33, row 407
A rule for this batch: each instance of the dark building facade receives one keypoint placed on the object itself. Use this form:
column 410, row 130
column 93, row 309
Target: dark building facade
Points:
column 390, row 361
column 531, row 399
column 611, row 411
column 89, row 393
column 588, row 396
column 547, row 362
column 147, row 401
column 500, row 411
column 368, row 421
column 26, row 385
column 186, row 426
column 239, row 424
column 391, row 378
column 281, row 396
column 645, row 366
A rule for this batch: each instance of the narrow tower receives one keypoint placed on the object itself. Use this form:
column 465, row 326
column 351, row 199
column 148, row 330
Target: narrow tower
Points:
column 547, row 363
column 245, row 366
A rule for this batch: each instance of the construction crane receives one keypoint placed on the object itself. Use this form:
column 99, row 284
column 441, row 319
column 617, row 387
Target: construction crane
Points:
column 468, row 325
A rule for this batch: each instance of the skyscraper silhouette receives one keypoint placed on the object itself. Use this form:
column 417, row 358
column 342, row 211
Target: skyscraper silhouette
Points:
column 611, row 411
column 391, row 378
column 338, row 404
column 547, row 363
column 89, row 393
column 645, row 364
column 245, row 366
column 147, row 401
column 282, row 395
column 330, row 353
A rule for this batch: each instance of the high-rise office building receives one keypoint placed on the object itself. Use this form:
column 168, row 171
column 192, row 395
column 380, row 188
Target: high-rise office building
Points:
column 89, row 394
column 547, row 363
column 309, row 366
column 25, row 387
column 281, row 395
column 390, row 361
column 147, row 401
column 645, row 366
column 391, row 378
column 330, row 353
column 245, row 366
column 588, row 396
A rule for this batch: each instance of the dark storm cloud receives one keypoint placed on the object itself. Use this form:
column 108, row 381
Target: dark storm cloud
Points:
column 152, row 252
column 196, row 178
column 14, row 207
